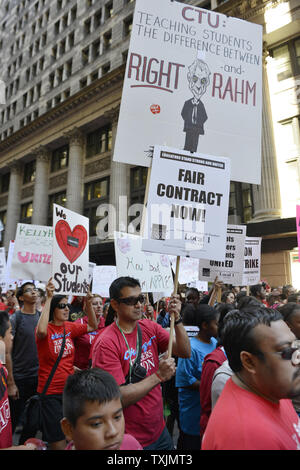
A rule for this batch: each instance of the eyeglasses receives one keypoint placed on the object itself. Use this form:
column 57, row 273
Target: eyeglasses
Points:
column 62, row 306
column 30, row 290
column 132, row 300
column 292, row 353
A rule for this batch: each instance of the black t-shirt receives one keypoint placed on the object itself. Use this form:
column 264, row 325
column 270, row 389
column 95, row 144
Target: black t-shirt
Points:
column 24, row 352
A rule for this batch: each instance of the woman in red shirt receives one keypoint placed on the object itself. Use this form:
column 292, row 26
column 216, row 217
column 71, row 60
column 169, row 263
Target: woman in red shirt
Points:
column 50, row 330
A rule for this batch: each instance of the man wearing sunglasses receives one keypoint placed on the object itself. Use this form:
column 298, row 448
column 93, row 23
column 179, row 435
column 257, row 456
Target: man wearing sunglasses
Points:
column 254, row 410
column 116, row 349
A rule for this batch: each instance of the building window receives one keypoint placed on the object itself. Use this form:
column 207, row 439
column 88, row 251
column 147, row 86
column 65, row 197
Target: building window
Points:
column 26, row 213
column 287, row 59
column 99, row 141
column 241, row 201
column 95, row 193
column 60, row 158
column 138, row 178
column 29, row 172
column 4, row 183
column 58, row 198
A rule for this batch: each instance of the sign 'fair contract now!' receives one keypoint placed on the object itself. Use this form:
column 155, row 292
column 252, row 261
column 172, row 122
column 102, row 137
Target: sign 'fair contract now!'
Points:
column 187, row 204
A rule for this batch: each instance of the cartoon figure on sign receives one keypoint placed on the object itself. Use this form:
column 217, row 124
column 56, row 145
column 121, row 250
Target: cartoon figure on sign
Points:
column 193, row 111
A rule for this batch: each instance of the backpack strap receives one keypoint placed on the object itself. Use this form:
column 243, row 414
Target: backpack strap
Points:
column 55, row 365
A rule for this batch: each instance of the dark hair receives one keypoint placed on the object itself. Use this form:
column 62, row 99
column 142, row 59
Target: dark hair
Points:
column 246, row 300
column 223, row 309
column 225, row 294
column 88, row 385
column 110, row 317
column 198, row 314
column 288, row 310
column 256, row 289
column 237, row 332
column 54, row 303
column 21, row 289
column 194, row 290
column 293, row 297
column 4, row 322
column 118, row 284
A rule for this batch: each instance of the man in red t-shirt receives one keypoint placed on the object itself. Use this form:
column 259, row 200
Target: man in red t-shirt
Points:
column 115, row 351
column 254, row 410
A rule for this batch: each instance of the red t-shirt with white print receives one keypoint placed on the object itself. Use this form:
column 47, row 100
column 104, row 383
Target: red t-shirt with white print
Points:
column 144, row 419
column 5, row 419
column 49, row 348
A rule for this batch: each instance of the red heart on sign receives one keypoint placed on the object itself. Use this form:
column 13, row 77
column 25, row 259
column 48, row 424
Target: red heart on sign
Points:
column 64, row 236
column 155, row 108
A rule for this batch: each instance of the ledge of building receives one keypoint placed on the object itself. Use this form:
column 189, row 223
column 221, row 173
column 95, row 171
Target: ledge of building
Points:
column 277, row 234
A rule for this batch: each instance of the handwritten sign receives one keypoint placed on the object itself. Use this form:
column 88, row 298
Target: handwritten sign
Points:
column 32, row 255
column 103, row 276
column 193, row 77
column 298, row 228
column 151, row 269
column 188, row 269
column 252, row 261
column 229, row 271
column 187, row 208
column 70, row 267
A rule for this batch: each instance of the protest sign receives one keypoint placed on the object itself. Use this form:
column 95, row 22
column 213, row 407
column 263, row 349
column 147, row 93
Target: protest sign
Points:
column 103, row 276
column 202, row 286
column 151, row 269
column 193, row 77
column 298, row 229
column 2, row 269
column 229, row 271
column 252, row 261
column 187, row 206
column 70, row 267
column 10, row 282
column 189, row 269
column 32, row 255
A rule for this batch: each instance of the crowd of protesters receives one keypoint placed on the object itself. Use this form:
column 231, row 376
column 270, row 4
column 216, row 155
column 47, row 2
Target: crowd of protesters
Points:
column 108, row 376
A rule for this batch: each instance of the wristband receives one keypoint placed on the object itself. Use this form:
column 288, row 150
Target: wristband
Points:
column 161, row 380
column 178, row 321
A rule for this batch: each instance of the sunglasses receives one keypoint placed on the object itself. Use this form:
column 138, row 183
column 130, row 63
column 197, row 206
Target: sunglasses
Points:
column 62, row 306
column 132, row 300
column 292, row 353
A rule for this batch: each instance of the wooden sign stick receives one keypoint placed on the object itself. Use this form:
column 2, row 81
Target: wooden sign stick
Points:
column 173, row 315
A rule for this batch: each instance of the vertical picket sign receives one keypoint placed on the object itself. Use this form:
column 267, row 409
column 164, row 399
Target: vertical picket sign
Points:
column 172, row 322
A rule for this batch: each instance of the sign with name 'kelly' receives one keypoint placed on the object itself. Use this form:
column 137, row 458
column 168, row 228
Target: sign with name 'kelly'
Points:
column 252, row 261
column 187, row 206
column 193, row 81
column 229, row 271
column 70, row 267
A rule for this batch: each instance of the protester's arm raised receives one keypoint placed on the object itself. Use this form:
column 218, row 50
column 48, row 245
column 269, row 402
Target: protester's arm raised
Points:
column 42, row 326
column 89, row 310
column 181, row 343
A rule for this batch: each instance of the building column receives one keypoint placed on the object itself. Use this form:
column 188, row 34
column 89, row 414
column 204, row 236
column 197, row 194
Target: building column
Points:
column 13, row 203
column 117, row 218
column 75, row 171
column 267, row 203
column 41, row 186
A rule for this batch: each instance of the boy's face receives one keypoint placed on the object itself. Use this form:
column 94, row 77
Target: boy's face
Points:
column 101, row 427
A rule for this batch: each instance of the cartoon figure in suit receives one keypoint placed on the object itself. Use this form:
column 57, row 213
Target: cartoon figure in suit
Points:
column 193, row 111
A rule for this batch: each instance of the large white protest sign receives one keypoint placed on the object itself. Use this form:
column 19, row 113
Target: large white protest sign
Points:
column 252, row 261
column 187, row 208
column 103, row 276
column 32, row 255
column 70, row 267
column 151, row 269
column 193, row 81
column 229, row 271
column 2, row 269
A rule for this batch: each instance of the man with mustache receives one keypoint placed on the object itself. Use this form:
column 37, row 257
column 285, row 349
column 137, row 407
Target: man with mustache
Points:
column 254, row 410
column 193, row 111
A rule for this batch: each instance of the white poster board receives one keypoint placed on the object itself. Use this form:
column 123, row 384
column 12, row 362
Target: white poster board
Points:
column 32, row 255
column 193, row 81
column 70, row 267
column 229, row 271
column 187, row 208
column 103, row 276
column 188, row 269
column 2, row 269
column 151, row 269
column 252, row 261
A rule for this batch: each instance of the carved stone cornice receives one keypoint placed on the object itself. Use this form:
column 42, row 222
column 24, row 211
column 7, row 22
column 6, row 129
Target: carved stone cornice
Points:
column 42, row 153
column 75, row 137
column 15, row 166
column 97, row 166
column 58, row 180
column 112, row 115
column 246, row 9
